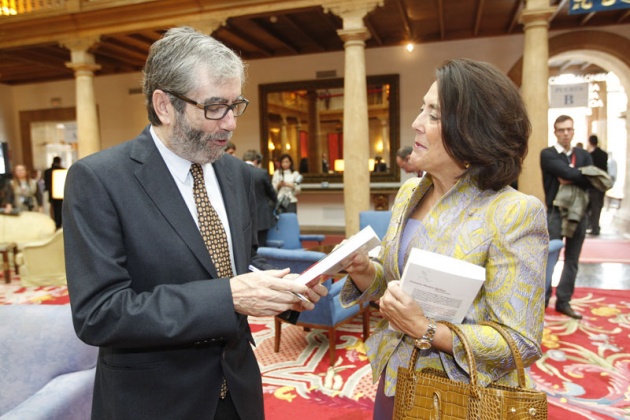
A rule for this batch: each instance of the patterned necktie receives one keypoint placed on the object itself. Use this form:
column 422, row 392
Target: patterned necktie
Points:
column 213, row 235
column 210, row 225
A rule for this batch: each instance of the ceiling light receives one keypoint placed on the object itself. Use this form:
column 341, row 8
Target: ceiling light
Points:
column 409, row 47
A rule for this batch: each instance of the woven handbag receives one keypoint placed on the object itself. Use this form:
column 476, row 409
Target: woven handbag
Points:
column 429, row 394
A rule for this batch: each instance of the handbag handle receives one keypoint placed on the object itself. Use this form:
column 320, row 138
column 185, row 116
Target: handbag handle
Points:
column 472, row 366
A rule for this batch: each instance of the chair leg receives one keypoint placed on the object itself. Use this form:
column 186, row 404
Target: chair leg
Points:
column 278, row 333
column 332, row 349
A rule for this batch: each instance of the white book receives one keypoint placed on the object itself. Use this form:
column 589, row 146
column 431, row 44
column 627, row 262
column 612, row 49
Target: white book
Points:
column 445, row 287
column 339, row 258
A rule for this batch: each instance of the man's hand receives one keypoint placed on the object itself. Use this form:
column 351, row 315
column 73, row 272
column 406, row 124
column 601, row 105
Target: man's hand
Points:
column 267, row 293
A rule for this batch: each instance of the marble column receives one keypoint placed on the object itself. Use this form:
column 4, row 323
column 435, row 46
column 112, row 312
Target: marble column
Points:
column 356, row 146
column 83, row 64
column 535, row 18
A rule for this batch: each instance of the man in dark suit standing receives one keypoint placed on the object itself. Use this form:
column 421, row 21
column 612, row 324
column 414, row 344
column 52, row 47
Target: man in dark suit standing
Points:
column 266, row 196
column 560, row 164
column 55, row 203
column 596, row 202
column 146, row 275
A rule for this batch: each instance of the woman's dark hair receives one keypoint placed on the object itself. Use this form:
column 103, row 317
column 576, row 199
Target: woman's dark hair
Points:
column 282, row 157
column 484, row 121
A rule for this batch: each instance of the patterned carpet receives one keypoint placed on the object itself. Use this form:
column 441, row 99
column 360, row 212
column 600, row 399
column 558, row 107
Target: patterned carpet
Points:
column 585, row 368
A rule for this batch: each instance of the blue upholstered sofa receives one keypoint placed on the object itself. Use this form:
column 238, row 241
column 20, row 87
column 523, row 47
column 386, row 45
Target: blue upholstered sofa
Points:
column 46, row 372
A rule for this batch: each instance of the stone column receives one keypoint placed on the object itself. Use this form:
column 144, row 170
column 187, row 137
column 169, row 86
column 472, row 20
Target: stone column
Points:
column 83, row 64
column 534, row 89
column 356, row 175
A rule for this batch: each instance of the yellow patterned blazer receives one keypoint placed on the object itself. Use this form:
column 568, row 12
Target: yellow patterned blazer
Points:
column 504, row 231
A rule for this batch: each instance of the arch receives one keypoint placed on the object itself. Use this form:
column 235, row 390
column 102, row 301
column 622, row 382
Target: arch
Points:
column 595, row 44
column 609, row 51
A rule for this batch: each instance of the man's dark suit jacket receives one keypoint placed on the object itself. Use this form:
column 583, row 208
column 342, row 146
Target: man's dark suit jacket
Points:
column 266, row 198
column 600, row 159
column 144, row 289
column 555, row 165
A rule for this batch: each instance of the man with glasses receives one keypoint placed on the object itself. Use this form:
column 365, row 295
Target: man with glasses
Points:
column 559, row 164
column 160, row 233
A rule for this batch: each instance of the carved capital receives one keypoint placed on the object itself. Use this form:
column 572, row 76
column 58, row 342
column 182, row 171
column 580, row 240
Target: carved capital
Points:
column 351, row 12
column 536, row 17
column 80, row 44
column 208, row 22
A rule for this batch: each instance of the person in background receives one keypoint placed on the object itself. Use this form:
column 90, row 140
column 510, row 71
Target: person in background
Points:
column 266, row 197
column 379, row 165
column 56, row 204
column 612, row 167
column 24, row 189
column 286, row 181
column 325, row 165
column 596, row 197
column 402, row 160
column 7, row 196
column 230, row 148
column 463, row 208
column 559, row 164
column 159, row 236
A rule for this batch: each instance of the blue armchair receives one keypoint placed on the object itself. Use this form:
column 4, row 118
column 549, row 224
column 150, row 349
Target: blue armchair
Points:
column 379, row 220
column 286, row 233
column 46, row 372
column 328, row 313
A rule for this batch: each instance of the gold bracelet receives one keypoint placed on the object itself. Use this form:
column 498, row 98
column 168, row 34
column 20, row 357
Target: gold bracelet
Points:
column 426, row 341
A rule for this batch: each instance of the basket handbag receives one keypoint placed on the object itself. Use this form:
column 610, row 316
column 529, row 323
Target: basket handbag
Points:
column 429, row 394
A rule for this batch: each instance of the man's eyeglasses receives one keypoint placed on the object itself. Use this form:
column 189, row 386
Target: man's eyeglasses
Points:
column 565, row 130
column 215, row 111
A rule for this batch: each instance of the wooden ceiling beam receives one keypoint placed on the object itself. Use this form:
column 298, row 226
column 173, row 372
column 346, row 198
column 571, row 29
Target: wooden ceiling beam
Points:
column 113, row 50
column 289, row 21
column 441, row 19
column 586, row 18
column 130, row 40
column 404, row 16
column 237, row 32
column 478, row 16
column 560, row 7
column 516, row 14
column 373, row 32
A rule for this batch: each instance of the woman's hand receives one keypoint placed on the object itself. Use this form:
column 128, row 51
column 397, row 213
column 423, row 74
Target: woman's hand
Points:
column 361, row 271
column 402, row 311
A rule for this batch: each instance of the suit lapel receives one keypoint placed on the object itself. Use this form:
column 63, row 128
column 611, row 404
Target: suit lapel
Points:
column 225, row 172
column 161, row 189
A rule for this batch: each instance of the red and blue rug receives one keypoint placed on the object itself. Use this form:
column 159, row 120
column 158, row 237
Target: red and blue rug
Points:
column 585, row 368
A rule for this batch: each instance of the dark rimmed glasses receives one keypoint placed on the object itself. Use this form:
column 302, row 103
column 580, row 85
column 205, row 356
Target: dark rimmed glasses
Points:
column 215, row 111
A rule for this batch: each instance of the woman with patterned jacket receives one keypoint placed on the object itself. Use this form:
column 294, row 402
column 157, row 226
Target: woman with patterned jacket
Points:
column 471, row 139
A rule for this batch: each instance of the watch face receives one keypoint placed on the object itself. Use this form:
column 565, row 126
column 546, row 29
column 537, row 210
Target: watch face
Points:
column 423, row 344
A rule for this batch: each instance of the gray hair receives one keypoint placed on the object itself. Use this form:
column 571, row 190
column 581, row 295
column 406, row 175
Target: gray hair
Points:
column 173, row 61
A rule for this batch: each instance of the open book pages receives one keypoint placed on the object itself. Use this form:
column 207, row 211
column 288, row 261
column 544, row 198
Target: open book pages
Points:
column 445, row 287
column 361, row 242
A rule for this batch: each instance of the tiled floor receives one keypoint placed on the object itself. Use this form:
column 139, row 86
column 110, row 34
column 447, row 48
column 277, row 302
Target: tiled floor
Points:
column 606, row 275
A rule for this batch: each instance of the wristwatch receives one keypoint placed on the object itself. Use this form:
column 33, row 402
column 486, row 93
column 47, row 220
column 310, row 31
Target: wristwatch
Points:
column 425, row 342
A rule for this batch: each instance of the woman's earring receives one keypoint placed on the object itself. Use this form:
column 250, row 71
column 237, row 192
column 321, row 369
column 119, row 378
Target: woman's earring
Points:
column 467, row 165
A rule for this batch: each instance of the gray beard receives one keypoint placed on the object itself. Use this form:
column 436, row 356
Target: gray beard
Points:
column 195, row 145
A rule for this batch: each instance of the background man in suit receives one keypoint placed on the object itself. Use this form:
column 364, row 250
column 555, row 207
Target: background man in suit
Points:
column 596, row 197
column 145, row 284
column 266, row 197
column 55, row 203
column 560, row 164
